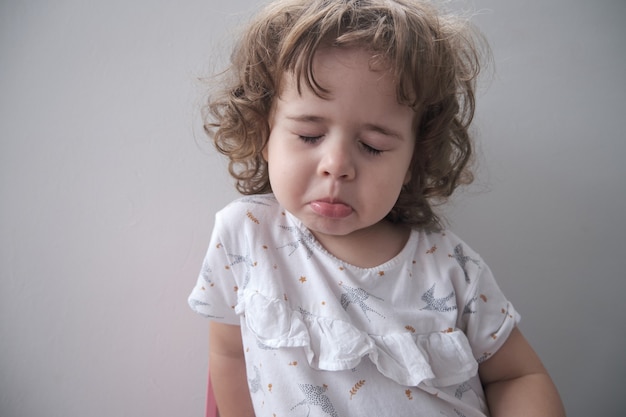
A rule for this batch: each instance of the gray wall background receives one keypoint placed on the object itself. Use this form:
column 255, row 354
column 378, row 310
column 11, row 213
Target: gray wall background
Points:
column 108, row 188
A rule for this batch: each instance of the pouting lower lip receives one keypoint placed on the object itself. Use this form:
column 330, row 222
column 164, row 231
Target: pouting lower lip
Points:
column 333, row 210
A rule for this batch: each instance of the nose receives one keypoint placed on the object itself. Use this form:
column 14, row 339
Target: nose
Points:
column 337, row 160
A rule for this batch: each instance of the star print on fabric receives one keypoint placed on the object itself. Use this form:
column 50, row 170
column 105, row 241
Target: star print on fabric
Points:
column 358, row 296
column 246, row 261
column 304, row 240
column 507, row 312
column 462, row 260
column 314, row 397
column 437, row 304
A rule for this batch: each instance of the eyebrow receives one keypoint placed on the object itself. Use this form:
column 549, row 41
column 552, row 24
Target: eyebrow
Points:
column 383, row 130
column 307, row 118
column 368, row 126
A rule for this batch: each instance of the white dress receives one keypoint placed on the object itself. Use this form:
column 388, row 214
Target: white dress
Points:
column 326, row 338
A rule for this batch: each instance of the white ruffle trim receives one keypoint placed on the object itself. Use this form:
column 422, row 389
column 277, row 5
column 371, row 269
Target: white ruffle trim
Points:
column 435, row 359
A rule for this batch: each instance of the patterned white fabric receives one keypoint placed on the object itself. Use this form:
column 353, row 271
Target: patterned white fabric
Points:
column 325, row 338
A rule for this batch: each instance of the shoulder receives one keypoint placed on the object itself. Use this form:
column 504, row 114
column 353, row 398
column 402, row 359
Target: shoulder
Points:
column 445, row 243
column 248, row 217
column 249, row 209
column 444, row 254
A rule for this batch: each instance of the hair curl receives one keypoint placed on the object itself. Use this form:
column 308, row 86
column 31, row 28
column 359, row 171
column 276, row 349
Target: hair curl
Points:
column 435, row 58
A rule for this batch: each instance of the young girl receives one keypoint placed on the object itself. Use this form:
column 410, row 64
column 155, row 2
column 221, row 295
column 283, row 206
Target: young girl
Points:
column 332, row 287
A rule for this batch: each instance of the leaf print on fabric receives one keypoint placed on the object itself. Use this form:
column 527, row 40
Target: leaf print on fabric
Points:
column 303, row 240
column 462, row 260
column 355, row 389
column 437, row 304
column 252, row 217
column 358, row 296
column 314, row 397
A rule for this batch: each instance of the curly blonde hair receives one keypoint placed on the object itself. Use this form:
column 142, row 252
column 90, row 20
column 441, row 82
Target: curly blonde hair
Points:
column 435, row 58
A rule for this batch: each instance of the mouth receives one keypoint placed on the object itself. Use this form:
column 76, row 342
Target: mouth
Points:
column 331, row 209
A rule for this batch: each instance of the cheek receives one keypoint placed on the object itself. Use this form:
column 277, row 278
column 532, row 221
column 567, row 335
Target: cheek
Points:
column 285, row 169
column 283, row 155
column 279, row 161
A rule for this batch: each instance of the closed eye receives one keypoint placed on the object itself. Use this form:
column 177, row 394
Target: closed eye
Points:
column 369, row 149
column 309, row 139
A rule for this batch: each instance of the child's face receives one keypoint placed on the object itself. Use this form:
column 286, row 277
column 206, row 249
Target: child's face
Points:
column 338, row 164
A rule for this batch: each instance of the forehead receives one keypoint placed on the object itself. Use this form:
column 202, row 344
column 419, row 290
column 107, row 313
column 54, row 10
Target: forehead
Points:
column 356, row 57
column 331, row 67
column 350, row 92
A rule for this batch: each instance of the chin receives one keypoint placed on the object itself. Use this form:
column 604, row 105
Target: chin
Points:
column 329, row 227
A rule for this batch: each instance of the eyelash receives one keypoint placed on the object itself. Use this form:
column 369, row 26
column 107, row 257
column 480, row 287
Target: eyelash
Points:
column 370, row 150
column 367, row 148
column 310, row 139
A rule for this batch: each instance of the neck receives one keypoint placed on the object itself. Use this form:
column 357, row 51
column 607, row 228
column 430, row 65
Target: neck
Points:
column 367, row 248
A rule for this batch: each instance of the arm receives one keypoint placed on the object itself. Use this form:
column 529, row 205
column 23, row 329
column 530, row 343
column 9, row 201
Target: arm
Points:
column 228, row 371
column 516, row 382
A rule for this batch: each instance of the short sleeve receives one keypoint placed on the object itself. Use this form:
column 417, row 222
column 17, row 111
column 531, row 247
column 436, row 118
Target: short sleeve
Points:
column 215, row 294
column 488, row 316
